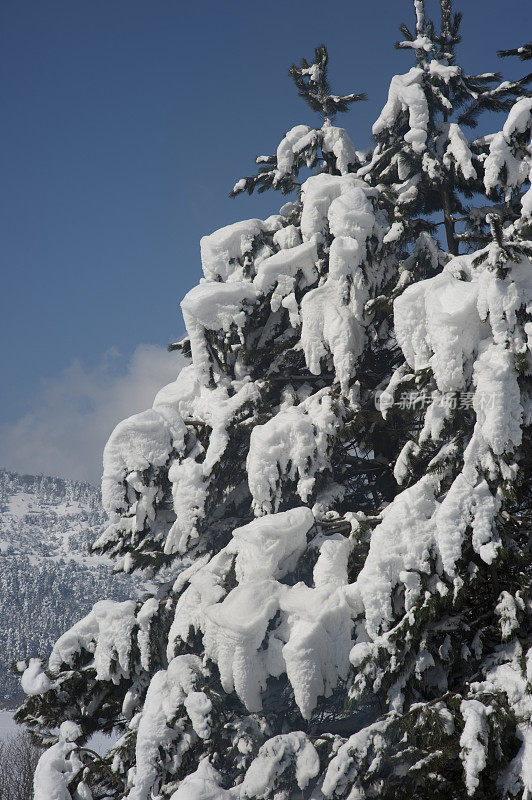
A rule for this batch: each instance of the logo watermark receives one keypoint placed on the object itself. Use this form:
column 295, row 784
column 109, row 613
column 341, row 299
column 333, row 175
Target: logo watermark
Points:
column 447, row 400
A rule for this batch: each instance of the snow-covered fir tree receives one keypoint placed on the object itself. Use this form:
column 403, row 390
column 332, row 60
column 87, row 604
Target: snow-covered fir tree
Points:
column 334, row 496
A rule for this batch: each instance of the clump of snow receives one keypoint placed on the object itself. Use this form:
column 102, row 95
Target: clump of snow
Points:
column 106, row 632
column 406, row 94
column 338, row 142
column 331, row 566
column 180, row 394
column 34, row 681
column 281, row 269
column 332, row 314
column 293, row 444
column 437, row 325
column 312, row 639
column 457, row 151
column 343, row 769
column 136, row 444
column 223, row 250
column 274, row 757
column 214, row 307
column 287, row 237
column 402, row 542
column 58, row 765
column 497, row 400
column 157, row 726
column 508, row 672
column 270, row 546
column 509, row 165
column 294, row 142
column 318, row 193
column 508, row 609
column 203, row 784
column 474, row 741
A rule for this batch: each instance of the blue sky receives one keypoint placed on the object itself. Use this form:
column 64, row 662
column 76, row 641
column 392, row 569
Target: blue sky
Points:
column 126, row 123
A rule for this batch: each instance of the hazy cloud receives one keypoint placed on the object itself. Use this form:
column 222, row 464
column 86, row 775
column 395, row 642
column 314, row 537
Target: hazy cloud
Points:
column 71, row 417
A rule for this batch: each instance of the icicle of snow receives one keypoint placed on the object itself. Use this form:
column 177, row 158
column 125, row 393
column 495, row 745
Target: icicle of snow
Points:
column 312, row 640
column 234, row 632
column 274, row 757
column 406, row 94
column 317, row 625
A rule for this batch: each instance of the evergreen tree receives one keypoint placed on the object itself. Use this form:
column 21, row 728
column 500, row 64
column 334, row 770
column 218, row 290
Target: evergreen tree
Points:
column 343, row 590
column 327, row 148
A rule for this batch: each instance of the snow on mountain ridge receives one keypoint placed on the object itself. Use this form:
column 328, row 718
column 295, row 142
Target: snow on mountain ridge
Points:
column 48, row 578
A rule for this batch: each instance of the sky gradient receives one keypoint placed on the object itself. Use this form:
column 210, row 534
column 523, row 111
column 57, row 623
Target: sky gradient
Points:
column 125, row 125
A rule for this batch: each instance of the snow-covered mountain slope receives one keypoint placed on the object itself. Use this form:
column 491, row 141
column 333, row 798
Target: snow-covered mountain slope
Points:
column 48, row 579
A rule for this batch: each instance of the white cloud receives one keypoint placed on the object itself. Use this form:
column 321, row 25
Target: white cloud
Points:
column 70, row 417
